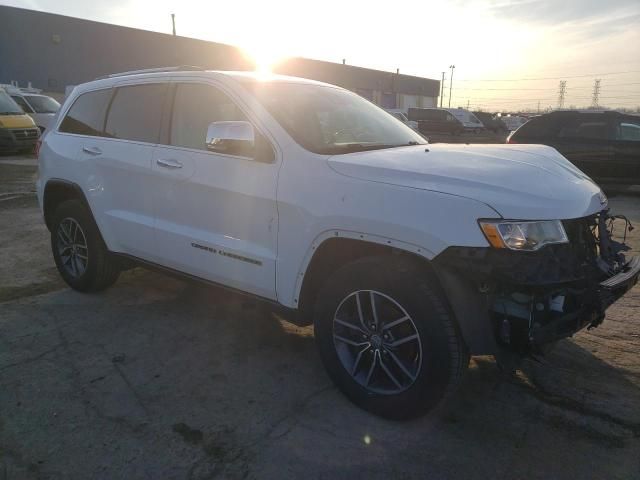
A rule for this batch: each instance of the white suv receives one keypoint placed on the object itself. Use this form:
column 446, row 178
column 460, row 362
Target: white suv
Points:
column 406, row 257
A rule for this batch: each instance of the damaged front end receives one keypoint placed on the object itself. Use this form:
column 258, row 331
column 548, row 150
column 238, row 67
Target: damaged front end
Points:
column 526, row 300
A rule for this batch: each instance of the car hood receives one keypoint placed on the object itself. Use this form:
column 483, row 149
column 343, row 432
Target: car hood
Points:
column 526, row 182
column 19, row 120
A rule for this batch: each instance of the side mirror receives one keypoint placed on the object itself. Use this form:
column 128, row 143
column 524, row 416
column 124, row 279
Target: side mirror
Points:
column 231, row 138
column 238, row 138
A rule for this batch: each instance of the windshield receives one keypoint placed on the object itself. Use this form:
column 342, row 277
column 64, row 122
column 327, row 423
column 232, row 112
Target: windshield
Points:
column 42, row 104
column 22, row 104
column 329, row 120
column 8, row 106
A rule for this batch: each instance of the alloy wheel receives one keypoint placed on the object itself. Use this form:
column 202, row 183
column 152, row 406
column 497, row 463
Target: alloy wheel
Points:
column 377, row 342
column 72, row 247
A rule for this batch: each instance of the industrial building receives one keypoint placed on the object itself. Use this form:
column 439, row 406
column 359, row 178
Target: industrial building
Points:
column 56, row 51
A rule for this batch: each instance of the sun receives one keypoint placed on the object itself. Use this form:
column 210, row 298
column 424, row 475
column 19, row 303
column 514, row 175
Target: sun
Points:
column 265, row 56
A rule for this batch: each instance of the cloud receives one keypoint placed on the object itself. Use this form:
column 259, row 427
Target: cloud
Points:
column 552, row 12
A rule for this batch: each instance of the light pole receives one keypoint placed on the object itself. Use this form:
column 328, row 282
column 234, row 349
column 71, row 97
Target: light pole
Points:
column 451, row 83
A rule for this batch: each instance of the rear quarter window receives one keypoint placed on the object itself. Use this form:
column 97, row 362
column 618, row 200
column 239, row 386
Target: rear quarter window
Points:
column 86, row 115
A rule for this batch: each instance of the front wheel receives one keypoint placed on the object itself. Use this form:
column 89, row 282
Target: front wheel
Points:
column 387, row 338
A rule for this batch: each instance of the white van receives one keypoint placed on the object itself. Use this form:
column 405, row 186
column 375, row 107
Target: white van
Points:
column 41, row 108
column 468, row 119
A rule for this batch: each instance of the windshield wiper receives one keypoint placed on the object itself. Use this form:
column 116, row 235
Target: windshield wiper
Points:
column 363, row 147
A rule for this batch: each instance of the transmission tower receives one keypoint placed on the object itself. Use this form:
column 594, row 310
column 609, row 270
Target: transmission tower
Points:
column 596, row 93
column 561, row 93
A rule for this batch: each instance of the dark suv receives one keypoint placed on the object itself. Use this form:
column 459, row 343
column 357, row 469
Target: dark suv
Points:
column 435, row 120
column 604, row 145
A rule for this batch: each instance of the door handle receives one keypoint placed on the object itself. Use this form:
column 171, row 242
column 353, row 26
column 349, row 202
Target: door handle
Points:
column 169, row 163
column 92, row 150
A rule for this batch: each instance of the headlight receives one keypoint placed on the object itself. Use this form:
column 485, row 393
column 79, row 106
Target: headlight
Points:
column 528, row 236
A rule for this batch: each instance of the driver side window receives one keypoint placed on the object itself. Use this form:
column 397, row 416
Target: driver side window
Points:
column 195, row 107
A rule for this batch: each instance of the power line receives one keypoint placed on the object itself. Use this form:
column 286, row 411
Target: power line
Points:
column 545, row 89
column 567, row 95
column 549, row 78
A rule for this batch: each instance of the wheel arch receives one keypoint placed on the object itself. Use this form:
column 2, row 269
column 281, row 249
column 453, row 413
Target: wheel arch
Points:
column 332, row 249
column 57, row 191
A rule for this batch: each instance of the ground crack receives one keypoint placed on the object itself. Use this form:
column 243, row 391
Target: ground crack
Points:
column 33, row 359
column 572, row 405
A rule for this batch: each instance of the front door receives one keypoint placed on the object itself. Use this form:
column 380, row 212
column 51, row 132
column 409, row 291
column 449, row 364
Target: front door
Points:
column 216, row 215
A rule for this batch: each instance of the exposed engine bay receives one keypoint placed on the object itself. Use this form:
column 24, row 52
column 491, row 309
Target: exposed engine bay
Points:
column 536, row 298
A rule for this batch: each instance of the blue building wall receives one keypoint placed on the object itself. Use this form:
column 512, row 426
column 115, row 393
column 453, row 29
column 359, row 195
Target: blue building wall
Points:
column 53, row 51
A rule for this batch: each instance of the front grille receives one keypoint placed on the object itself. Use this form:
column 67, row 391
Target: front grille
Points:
column 25, row 133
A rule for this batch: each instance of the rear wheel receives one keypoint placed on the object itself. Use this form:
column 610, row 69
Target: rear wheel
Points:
column 78, row 249
column 387, row 339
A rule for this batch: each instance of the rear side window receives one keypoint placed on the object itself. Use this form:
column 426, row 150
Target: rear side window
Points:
column 86, row 115
column 136, row 113
column 195, row 107
column 585, row 126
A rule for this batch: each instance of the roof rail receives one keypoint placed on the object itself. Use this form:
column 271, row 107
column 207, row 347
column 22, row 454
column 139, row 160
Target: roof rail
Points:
column 179, row 68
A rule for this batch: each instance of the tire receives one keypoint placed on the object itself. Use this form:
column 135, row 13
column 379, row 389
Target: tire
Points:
column 73, row 221
column 434, row 362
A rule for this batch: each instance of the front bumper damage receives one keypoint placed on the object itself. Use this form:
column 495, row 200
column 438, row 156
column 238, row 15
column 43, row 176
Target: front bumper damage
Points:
column 524, row 301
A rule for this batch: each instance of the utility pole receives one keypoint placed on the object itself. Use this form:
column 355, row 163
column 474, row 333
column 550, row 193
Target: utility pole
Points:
column 596, row 94
column 441, row 89
column 451, row 83
column 561, row 93
column 538, row 107
column 173, row 23
column 467, row 104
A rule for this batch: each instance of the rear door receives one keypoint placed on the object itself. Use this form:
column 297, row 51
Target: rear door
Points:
column 627, row 150
column 586, row 140
column 120, row 184
column 216, row 214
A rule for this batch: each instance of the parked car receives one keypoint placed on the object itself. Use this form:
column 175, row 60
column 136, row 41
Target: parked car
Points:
column 435, row 120
column 406, row 257
column 491, row 122
column 17, row 130
column 603, row 144
column 468, row 119
column 41, row 108
column 400, row 115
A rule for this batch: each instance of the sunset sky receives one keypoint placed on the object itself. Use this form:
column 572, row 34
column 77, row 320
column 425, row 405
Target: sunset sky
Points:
column 507, row 53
